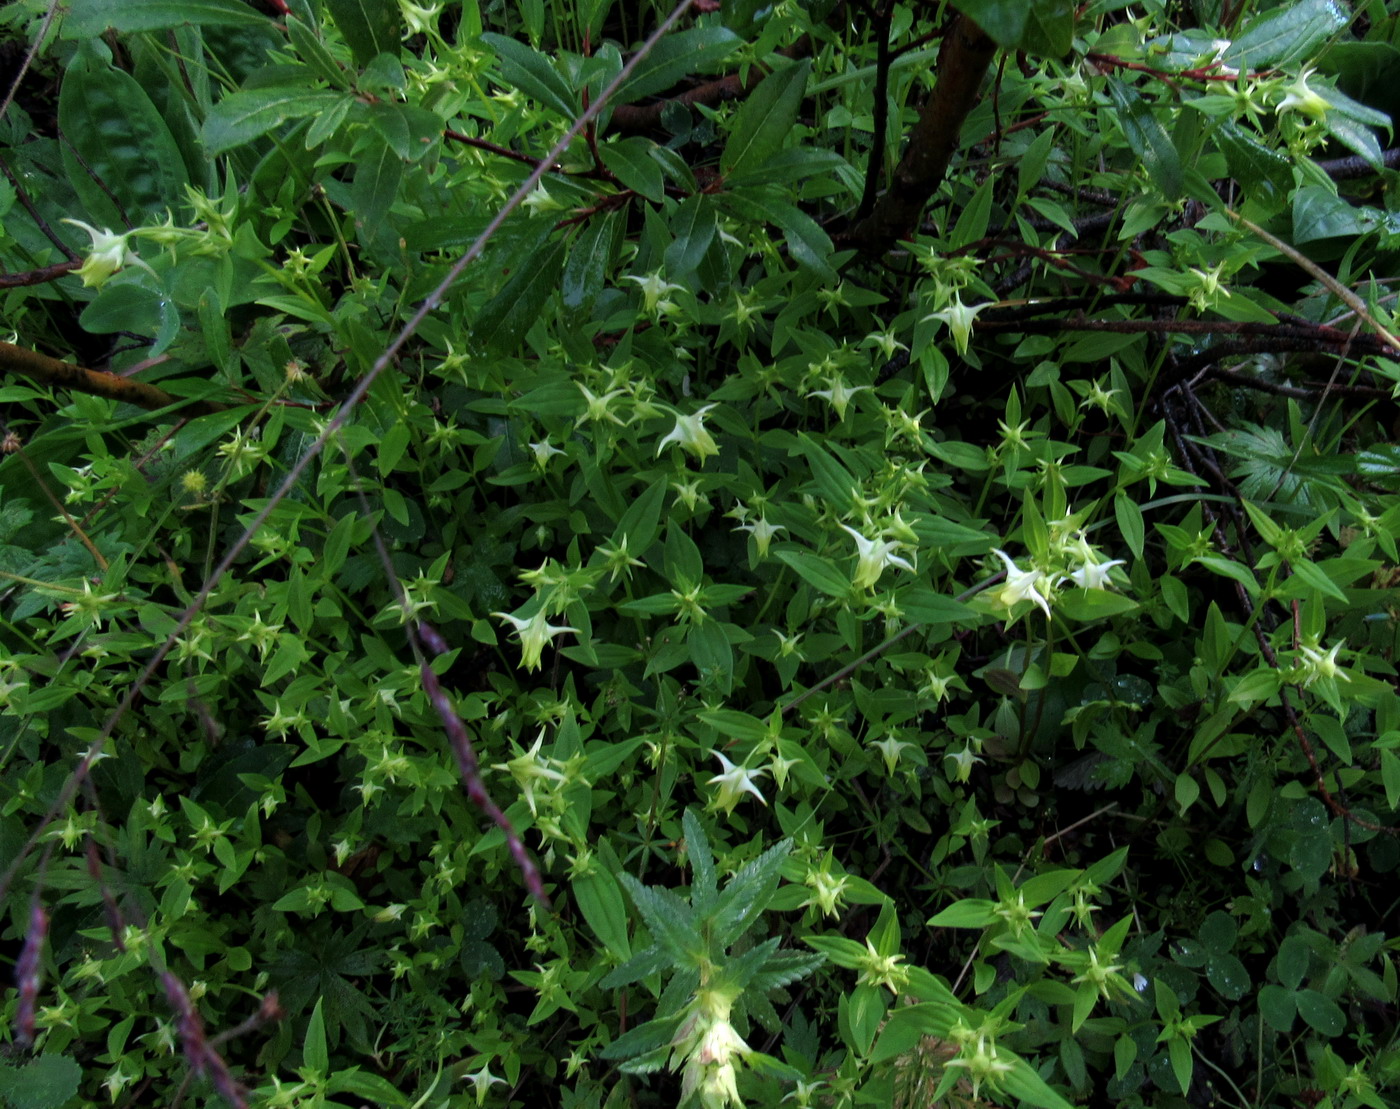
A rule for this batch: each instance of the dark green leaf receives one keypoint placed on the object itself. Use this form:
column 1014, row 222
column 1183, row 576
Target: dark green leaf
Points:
column 250, row 113
column 1050, row 29
column 586, row 271
column 43, row 1083
column 369, row 27
column 89, row 18
column 1285, row 35
column 817, row 571
column 378, row 171
column 677, row 56
column 117, row 146
column 533, row 74
column 630, row 161
column 1320, row 1012
column 1003, row 20
column 1147, row 138
column 766, row 119
column 694, row 227
column 510, row 313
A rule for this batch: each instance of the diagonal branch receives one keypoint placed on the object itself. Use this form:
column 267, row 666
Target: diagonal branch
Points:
column 962, row 64
column 65, row 375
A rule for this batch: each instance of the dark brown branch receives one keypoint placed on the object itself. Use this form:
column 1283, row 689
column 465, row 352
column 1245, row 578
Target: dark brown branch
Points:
column 962, row 64
column 882, row 20
column 1343, row 169
column 65, row 375
column 41, row 276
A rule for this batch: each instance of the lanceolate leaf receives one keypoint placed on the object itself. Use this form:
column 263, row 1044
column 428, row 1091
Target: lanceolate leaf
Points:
column 370, row 27
column 244, row 116
column 1287, row 35
column 533, row 74
column 1147, row 138
column 766, row 118
column 89, row 18
column 676, row 56
column 511, row 312
column 589, row 256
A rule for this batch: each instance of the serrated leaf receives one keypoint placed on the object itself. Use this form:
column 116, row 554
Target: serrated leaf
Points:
column 702, row 862
column 670, row 920
column 766, row 118
column 43, row 1083
column 642, row 965
column 747, row 893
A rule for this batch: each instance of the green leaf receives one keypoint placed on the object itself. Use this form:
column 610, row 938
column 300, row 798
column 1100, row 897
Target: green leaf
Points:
column 669, row 919
column 599, row 898
column 639, row 524
column 503, row 322
column 677, row 56
column 1320, row 1012
column 118, row 152
column 1266, row 172
column 1130, row 523
column 971, row 912
column 1022, row 1081
column 766, row 119
column 733, row 724
column 1147, row 138
column 533, row 74
column 1086, row 605
column 1286, row 35
column 694, row 228
column 1276, row 1006
column 704, row 884
column 314, row 1052
column 1050, row 29
column 817, row 571
column 630, row 161
column 804, row 238
column 87, row 19
column 1004, row 20
column 748, row 893
column 244, row 116
column 313, row 52
column 1292, row 962
column 378, row 171
column 47, row 1082
column 369, row 27
column 586, row 271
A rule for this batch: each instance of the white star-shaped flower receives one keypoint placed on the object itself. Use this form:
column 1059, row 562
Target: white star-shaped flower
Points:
column 734, row 782
column 1021, row 585
column 872, row 556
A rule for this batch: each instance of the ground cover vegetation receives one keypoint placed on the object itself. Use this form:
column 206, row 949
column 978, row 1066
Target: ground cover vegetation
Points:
column 828, row 552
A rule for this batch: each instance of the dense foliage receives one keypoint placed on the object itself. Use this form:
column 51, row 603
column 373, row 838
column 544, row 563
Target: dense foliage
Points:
column 902, row 519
